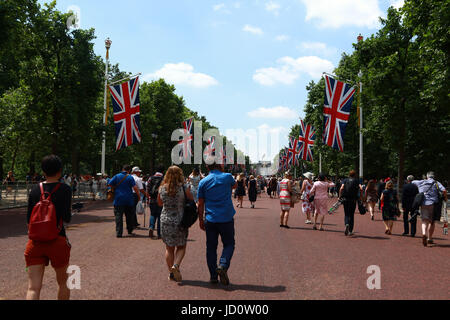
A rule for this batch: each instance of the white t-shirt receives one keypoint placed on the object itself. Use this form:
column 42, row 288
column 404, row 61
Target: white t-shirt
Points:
column 138, row 182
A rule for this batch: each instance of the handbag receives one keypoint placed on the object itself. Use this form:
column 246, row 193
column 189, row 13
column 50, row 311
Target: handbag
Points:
column 190, row 214
column 362, row 208
column 311, row 199
column 110, row 194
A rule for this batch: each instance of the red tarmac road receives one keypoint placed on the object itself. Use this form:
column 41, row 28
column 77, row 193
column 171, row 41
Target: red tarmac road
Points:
column 269, row 262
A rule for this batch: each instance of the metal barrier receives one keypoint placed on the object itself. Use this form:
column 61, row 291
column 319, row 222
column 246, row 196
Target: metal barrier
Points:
column 15, row 195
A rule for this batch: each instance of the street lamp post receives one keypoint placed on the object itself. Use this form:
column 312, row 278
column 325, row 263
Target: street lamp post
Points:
column 108, row 43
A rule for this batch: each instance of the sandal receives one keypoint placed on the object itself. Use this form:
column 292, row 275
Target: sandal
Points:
column 176, row 273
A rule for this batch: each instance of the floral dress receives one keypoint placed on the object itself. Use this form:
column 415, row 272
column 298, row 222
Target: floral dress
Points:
column 307, row 207
column 172, row 213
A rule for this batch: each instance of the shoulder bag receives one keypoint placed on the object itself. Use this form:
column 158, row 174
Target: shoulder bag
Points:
column 190, row 214
column 111, row 192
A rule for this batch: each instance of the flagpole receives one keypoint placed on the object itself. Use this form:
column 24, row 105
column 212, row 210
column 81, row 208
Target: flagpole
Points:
column 108, row 43
column 361, row 137
column 360, row 109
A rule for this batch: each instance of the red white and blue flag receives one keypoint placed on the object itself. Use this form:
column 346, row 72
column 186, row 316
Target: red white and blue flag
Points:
column 126, row 113
column 188, row 128
column 293, row 151
column 210, row 150
column 306, row 142
column 338, row 102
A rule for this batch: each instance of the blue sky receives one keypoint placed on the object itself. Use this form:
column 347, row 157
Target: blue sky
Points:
column 242, row 64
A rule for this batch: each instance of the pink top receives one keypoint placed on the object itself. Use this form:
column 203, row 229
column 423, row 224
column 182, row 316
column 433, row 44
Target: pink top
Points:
column 320, row 189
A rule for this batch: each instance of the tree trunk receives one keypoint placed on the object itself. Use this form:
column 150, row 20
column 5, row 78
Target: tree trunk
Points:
column 1, row 168
column 401, row 149
column 13, row 163
column 75, row 162
column 32, row 162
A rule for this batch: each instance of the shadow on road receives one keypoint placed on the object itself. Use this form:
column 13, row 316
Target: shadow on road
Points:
column 233, row 287
column 13, row 223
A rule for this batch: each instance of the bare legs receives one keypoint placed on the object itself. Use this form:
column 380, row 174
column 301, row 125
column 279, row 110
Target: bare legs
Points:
column 322, row 218
column 174, row 257
column 372, row 209
column 240, row 200
column 284, row 218
column 36, row 276
column 428, row 229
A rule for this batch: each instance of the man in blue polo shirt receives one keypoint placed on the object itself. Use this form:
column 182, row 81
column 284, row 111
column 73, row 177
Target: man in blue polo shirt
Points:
column 214, row 199
column 124, row 184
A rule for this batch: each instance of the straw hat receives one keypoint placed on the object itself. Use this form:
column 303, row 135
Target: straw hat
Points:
column 309, row 175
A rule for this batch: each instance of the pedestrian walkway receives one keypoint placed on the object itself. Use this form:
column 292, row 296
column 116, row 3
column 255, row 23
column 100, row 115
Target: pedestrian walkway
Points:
column 269, row 262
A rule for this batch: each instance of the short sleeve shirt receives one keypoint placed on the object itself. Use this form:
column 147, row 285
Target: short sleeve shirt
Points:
column 215, row 189
column 123, row 195
column 138, row 182
column 430, row 189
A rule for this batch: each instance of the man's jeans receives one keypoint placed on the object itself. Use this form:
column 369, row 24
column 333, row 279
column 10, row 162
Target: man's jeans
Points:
column 349, row 210
column 155, row 215
column 119, row 211
column 226, row 232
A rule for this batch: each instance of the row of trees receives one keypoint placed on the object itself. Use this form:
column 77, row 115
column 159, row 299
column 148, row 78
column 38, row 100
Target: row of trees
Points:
column 405, row 97
column 51, row 98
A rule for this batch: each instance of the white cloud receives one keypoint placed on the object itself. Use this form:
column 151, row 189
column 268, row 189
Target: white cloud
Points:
column 237, row 5
column 222, row 8
column 290, row 69
column 397, row 4
column 273, row 7
column 182, row 74
column 336, row 14
column 219, row 6
column 317, row 48
column 278, row 112
column 254, row 30
column 282, row 38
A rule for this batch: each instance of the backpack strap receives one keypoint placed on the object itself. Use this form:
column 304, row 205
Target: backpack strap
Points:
column 41, row 185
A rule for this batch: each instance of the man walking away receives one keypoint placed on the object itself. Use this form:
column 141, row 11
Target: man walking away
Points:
column 153, row 185
column 214, row 195
column 410, row 191
column 124, row 184
column 351, row 191
column 431, row 208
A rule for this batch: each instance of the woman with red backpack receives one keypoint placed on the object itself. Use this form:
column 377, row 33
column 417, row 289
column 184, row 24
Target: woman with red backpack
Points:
column 49, row 205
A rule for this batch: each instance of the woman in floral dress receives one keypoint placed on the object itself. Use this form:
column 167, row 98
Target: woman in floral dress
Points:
column 307, row 207
column 171, row 197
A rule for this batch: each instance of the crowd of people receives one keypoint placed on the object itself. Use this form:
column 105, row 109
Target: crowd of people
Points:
column 167, row 192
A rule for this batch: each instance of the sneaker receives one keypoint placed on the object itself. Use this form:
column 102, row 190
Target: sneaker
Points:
column 222, row 272
column 176, row 273
column 430, row 242
column 351, row 234
column 347, row 230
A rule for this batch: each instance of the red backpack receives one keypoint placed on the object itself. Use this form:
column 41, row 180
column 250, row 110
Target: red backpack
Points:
column 43, row 225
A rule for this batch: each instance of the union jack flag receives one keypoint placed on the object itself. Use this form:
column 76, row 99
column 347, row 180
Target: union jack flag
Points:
column 210, row 150
column 293, row 151
column 126, row 113
column 306, row 140
column 222, row 156
column 338, row 102
column 188, row 127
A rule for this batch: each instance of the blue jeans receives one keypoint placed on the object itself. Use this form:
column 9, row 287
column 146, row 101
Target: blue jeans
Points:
column 155, row 215
column 226, row 232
